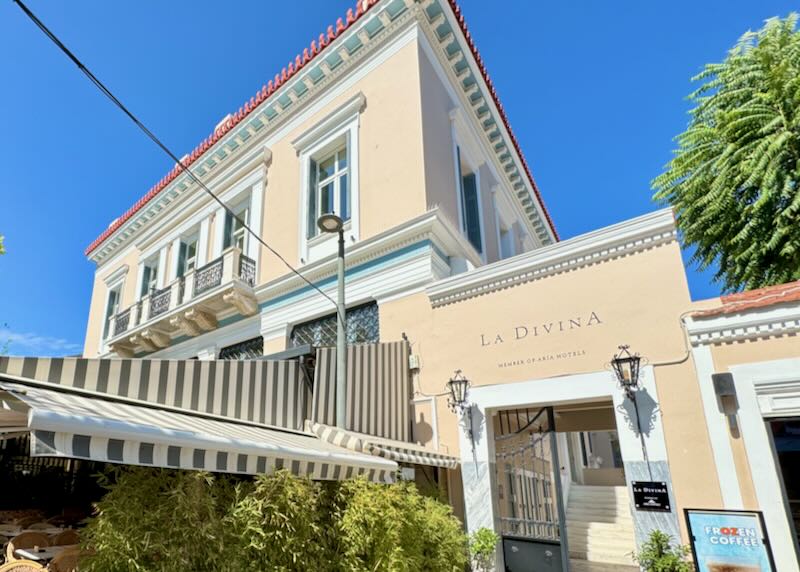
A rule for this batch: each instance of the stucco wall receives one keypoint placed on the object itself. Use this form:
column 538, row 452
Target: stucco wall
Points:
column 637, row 300
column 97, row 307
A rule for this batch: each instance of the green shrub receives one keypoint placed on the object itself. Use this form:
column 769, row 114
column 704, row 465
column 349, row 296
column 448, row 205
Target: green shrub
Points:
column 482, row 548
column 158, row 520
column 277, row 525
column 154, row 520
column 659, row 555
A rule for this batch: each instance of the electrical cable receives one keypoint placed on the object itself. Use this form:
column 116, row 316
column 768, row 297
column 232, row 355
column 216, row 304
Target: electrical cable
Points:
column 105, row 91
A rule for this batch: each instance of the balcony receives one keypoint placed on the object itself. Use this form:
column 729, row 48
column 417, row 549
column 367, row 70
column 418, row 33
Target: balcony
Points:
column 189, row 306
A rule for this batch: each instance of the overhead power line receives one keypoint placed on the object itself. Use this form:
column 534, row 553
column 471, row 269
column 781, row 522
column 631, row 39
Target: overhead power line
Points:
column 107, row 92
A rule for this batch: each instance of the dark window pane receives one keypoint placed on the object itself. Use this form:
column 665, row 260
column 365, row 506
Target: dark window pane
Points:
column 472, row 220
column 363, row 327
column 249, row 349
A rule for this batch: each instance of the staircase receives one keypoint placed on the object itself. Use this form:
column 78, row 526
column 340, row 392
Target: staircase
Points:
column 600, row 529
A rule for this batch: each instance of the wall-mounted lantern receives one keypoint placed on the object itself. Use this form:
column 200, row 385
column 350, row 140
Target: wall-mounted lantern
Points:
column 458, row 388
column 626, row 368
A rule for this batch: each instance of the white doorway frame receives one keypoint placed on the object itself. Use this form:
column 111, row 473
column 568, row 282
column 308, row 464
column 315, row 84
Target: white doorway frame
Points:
column 767, row 390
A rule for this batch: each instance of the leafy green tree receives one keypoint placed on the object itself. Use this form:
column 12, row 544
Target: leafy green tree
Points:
column 2, row 248
column 734, row 179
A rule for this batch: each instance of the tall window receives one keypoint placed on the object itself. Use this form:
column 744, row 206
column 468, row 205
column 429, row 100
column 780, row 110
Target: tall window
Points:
column 470, row 208
column 187, row 257
column 235, row 233
column 329, row 188
column 112, row 308
column 363, row 327
column 149, row 277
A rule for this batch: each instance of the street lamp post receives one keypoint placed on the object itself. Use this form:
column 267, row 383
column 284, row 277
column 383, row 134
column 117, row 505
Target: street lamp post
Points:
column 331, row 223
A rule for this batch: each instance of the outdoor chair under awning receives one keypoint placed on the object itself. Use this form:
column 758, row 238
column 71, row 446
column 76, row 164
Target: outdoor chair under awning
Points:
column 66, row 423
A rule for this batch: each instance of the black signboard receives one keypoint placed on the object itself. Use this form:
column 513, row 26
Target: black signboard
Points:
column 651, row 495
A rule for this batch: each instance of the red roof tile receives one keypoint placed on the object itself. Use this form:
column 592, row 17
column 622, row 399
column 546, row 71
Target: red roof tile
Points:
column 315, row 48
column 753, row 299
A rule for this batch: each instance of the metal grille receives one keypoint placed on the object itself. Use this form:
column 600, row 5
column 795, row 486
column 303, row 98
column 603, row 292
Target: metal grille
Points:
column 249, row 349
column 247, row 270
column 363, row 327
column 122, row 322
column 159, row 301
column 208, row 276
column 525, row 462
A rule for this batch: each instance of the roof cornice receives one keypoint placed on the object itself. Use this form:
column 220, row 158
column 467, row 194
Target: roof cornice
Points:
column 779, row 320
column 327, row 58
column 621, row 239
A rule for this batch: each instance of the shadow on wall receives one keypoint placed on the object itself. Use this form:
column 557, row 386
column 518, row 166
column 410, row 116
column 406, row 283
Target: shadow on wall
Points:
column 648, row 412
column 423, row 431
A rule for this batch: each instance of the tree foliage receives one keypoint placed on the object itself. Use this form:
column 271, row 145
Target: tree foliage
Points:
column 155, row 520
column 734, row 178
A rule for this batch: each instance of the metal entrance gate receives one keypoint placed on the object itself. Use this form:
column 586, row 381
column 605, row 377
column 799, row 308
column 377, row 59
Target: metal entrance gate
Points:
column 530, row 499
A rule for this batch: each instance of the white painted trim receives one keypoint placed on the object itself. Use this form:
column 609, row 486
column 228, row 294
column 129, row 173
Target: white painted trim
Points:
column 780, row 319
column 334, row 121
column 175, row 258
column 718, row 431
column 219, row 232
column 340, row 124
column 391, row 40
column 202, row 241
column 116, row 276
column 431, row 225
column 256, row 216
column 477, row 466
column 752, row 381
column 628, row 237
column 239, row 331
column 471, row 127
column 162, row 266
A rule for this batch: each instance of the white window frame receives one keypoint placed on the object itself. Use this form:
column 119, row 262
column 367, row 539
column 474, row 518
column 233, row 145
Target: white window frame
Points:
column 474, row 169
column 249, row 191
column 504, row 220
column 469, row 150
column 343, row 122
column 336, row 149
column 116, row 281
column 153, row 260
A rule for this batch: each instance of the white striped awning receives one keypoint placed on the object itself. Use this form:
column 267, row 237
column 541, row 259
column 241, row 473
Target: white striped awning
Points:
column 70, row 424
column 387, row 448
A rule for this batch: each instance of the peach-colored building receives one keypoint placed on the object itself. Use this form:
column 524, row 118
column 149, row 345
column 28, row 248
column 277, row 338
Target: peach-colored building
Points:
column 389, row 119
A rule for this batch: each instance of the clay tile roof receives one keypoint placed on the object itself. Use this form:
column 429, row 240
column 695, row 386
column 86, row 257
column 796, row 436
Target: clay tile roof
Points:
column 315, row 48
column 754, row 299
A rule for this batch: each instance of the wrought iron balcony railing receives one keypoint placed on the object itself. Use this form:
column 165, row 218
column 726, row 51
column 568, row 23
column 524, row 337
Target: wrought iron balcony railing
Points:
column 208, row 276
column 122, row 322
column 247, row 270
column 159, row 301
column 231, row 270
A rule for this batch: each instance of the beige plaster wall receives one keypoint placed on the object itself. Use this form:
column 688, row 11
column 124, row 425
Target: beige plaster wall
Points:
column 636, row 299
column 97, row 306
column 440, row 179
column 390, row 158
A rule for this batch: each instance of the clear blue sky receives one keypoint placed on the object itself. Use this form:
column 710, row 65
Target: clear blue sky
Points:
column 595, row 92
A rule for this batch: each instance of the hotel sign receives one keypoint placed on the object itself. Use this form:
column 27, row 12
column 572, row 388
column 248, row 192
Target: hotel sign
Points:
column 531, row 331
column 651, row 495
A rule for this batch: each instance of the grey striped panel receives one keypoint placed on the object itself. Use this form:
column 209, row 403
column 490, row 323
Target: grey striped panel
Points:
column 173, row 457
column 269, row 392
column 396, row 451
column 378, row 389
